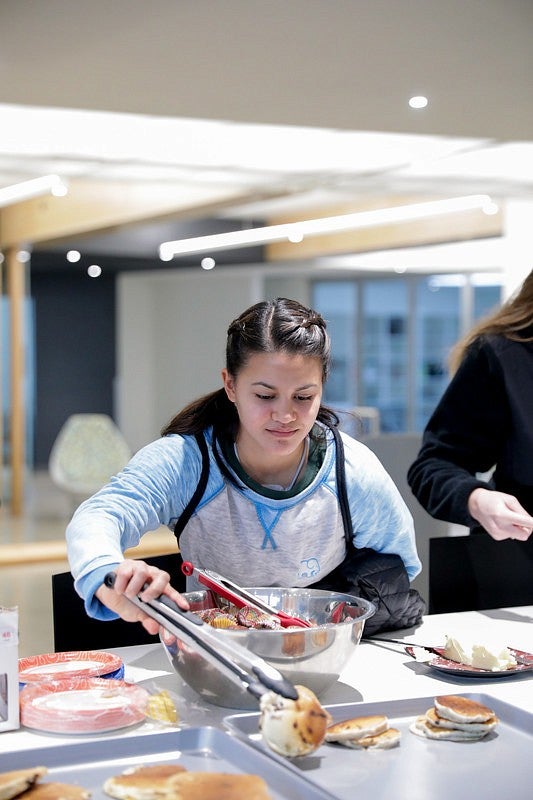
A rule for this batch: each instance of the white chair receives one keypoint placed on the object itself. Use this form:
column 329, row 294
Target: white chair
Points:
column 88, row 451
column 360, row 421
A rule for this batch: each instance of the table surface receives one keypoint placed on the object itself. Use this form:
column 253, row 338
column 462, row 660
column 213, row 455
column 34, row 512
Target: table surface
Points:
column 375, row 672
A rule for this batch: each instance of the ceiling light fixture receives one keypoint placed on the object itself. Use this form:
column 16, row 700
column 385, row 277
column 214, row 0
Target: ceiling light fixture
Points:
column 47, row 184
column 418, row 101
column 315, row 227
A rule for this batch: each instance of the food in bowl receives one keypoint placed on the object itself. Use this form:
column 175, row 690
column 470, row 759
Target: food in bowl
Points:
column 313, row 657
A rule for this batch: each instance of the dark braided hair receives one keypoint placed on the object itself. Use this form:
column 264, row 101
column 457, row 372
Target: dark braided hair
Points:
column 279, row 325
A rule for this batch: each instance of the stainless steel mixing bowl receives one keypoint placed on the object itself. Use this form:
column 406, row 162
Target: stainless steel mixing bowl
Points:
column 313, row 657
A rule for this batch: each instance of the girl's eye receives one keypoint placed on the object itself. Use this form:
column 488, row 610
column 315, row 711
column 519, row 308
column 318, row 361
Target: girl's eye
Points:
column 303, row 398
column 265, row 396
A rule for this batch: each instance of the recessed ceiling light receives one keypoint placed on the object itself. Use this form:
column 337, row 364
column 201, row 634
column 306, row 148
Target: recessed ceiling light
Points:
column 296, row 236
column 94, row 271
column 418, row 101
column 207, row 263
column 73, row 256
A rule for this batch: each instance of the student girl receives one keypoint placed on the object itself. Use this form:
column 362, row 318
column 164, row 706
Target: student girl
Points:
column 475, row 466
column 270, row 512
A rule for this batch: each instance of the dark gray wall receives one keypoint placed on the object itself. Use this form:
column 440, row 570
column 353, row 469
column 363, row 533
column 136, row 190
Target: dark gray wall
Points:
column 74, row 350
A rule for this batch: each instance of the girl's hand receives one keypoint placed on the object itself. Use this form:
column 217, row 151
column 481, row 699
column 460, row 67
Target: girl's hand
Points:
column 500, row 514
column 131, row 576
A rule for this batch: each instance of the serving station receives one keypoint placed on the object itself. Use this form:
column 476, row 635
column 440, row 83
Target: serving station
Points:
column 379, row 677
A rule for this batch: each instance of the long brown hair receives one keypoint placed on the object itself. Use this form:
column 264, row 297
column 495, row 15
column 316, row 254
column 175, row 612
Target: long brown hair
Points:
column 514, row 320
column 266, row 327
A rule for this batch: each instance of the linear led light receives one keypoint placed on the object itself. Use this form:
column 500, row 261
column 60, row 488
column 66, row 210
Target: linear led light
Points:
column 47, row 184
column 296, row 231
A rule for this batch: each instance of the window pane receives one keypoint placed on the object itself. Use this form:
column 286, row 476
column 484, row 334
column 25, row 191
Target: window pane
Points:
column 486, row 300
column 437, row 328
column 337, row 302
column 384, row 374
column 395, row 357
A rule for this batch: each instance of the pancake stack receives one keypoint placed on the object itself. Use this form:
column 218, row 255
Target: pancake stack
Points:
column 364, row 733
column 455, row 718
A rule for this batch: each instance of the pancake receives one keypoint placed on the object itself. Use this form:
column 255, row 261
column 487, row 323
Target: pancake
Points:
column 422, row 727
column 380, row 741
column 18, row 781
column 461, row 709
column 441, row 722
column 143, row 783
column 356, row 728
column 57, row 791
column 218, row 786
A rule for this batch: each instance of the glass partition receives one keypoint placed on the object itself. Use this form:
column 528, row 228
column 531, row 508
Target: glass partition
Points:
column 391, row 338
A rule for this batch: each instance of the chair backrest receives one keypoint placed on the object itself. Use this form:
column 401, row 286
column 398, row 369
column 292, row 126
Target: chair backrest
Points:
column 474, row 572
column 88, row 451
column 74, row 630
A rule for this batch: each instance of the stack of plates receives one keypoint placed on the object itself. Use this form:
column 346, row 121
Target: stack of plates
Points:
column 78, row 692
column 82, row 705
column 74, row 664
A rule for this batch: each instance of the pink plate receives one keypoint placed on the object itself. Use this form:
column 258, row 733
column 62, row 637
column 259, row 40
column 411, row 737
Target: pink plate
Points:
column 77, row 663
column 82, row 705
column 442, row 664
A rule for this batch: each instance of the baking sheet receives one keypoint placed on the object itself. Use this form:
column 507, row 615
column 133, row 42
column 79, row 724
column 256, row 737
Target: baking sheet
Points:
column 498, row 766
column 204, row 749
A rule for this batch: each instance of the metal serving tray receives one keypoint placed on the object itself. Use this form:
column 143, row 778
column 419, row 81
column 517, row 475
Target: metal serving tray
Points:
column 205, row 749
column 498, row 766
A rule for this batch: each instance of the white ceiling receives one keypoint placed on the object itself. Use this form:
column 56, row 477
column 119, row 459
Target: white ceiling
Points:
column 274, row 107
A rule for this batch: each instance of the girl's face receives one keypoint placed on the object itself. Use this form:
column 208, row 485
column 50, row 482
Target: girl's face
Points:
column 277, row 396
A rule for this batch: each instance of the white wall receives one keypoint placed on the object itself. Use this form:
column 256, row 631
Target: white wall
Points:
column 518, row 243
column 171, row 332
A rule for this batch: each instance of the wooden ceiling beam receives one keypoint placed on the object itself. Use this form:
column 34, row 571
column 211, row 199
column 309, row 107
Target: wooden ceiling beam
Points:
column 95, row 207
column 450, row 227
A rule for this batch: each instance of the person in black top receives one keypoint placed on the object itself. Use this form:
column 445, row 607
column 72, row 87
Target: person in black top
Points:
column 475, row 465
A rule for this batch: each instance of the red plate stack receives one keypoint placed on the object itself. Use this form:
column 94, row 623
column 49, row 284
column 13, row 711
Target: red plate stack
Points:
column 82, row 705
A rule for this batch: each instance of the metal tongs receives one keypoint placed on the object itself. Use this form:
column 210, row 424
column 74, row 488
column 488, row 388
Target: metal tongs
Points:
column 239, row 596
column 187, row 626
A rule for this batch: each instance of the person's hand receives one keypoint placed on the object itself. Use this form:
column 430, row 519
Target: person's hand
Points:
column 131, row 576
column 500, row 514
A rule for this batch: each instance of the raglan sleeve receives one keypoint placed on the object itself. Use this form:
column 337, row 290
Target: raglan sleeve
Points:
column 150, row 492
